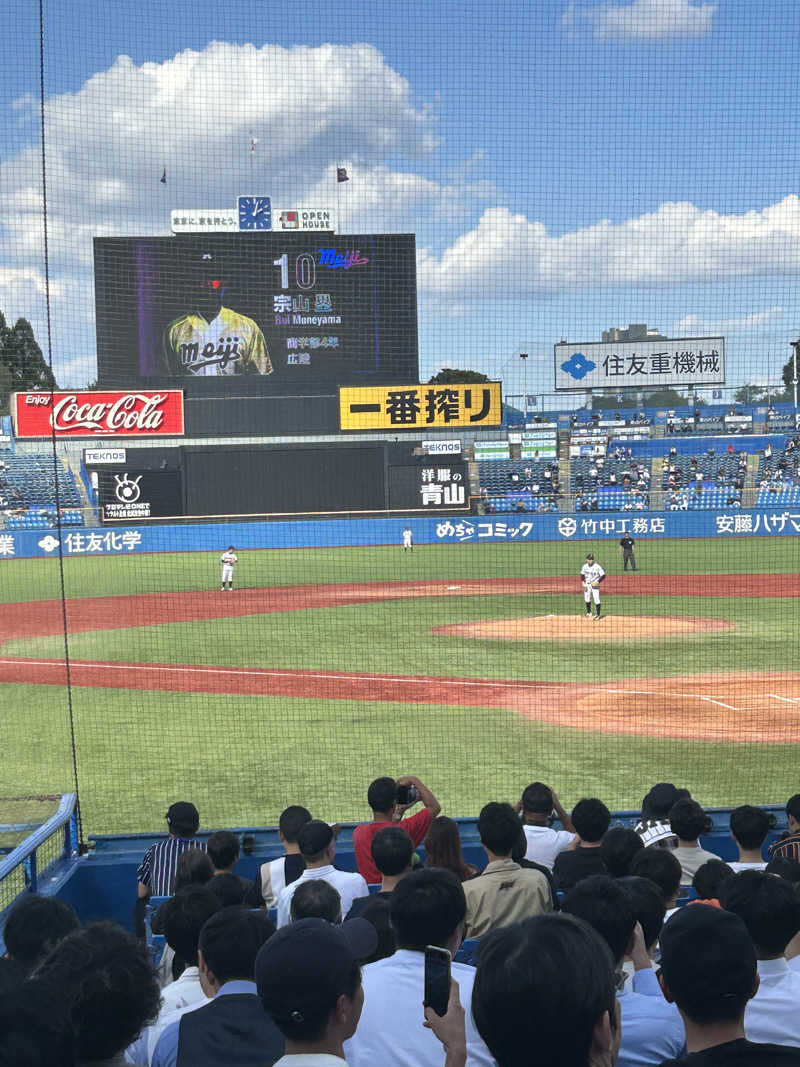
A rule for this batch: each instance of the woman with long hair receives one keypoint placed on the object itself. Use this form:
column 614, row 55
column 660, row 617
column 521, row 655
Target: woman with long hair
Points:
column 443, row 849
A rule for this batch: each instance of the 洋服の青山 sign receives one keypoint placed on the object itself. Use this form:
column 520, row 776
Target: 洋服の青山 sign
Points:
column 98, row 414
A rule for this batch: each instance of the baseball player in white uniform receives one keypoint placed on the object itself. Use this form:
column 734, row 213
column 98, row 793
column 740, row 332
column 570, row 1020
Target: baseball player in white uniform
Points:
column 408, row 539
column 592, row 574
column 228, row 560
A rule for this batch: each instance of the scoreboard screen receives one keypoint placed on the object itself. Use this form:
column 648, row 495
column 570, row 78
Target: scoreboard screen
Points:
column 265, row 313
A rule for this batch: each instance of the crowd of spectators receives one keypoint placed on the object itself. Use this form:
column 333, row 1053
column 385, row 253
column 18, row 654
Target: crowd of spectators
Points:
column 591, row 945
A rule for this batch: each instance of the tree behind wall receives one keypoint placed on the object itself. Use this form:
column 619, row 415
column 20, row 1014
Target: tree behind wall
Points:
column 22, row 365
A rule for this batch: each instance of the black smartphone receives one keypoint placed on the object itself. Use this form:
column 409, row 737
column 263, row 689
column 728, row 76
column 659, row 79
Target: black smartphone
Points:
column 437, row 979
column 406, row 794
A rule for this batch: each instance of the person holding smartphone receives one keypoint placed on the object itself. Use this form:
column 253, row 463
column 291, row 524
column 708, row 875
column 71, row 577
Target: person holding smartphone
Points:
column 389, row 800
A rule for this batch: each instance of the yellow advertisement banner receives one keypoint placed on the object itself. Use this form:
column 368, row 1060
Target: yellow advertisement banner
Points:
column 420, row 407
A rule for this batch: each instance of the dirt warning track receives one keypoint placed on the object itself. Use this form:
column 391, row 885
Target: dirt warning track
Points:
column 747, row 708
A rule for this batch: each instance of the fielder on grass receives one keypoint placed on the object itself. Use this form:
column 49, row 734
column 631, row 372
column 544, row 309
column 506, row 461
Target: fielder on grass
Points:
column 228, row 560
column 592, row 574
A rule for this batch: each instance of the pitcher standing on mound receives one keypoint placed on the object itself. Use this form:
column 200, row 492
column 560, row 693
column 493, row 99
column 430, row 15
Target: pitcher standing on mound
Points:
column 592, row 574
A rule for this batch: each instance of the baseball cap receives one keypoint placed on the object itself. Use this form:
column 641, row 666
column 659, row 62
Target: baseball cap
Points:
column 183, row 815
column 590, row 556
column 305, row 966
column 707, row 955
column 315, row 836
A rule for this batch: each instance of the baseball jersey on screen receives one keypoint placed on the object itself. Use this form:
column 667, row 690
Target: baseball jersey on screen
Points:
column 592, row 573
column 230, row 344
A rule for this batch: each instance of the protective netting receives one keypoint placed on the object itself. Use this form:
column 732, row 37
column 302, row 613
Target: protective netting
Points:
column 216, row 222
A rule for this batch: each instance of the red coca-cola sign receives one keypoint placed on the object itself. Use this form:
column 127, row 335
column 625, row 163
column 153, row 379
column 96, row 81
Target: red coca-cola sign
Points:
column 134, row 414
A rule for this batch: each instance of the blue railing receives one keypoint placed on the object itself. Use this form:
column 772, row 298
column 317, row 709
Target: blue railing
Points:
column 23, row 869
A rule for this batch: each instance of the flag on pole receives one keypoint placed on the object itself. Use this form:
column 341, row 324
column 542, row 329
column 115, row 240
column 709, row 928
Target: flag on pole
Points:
column 341, row 175
column 163, row 178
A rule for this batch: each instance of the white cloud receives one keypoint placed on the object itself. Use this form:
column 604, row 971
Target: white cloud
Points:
column 757, row 320
column 646, row 20
column 676, row 244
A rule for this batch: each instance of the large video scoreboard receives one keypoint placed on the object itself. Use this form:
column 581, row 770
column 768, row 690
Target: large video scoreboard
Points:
column 256, row 314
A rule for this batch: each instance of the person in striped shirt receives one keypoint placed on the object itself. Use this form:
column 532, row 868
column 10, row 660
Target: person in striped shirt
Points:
column 156, row 872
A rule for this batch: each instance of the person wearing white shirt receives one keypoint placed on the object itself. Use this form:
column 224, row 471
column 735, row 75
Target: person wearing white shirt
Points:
column 318, row 846
column 427, row 908
column 749, row 829
column 182, row 918
column 770, row 910
column 309, row 981
column 544, row 843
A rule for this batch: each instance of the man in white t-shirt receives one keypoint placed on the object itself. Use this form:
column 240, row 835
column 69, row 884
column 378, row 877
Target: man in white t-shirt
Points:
column 749, row 829
column 544, row 843
column 318, row 846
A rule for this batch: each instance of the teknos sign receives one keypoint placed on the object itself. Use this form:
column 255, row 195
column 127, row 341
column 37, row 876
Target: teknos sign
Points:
column 133, row 414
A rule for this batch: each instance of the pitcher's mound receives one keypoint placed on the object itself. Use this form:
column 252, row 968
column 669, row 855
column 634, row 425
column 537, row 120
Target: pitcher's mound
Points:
column 579, row 628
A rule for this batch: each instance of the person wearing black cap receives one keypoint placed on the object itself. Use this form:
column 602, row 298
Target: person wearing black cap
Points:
column 317, row 843
column 309, row 980
column 708, row 969
column 156, row 872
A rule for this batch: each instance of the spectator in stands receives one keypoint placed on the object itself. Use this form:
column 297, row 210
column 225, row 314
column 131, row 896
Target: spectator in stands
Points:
column 157, row 870
column 230, row 890
column 223, row 850
column 653, row 825
column 183, row 916
column 427, row 908
column 316, row 900
column 309, row 982
column 649, row 909
column 687, row 821
column 538, row 803
column 591, row 818
column 277, row 874
column 770, row 910
column 749, row 829
column 619, row 846
column 317, row 843
column 99, row 981
column 443, row 849
column 505, row 892
column 193, row 868
column 382, row 797
column 783, row 868
column 35, row 925
column 518, row 856
column 393, row 854
column 788, row 845
column 661, row 867
column 651, row 1029
column 709, row 879
column 524, row 971
column 233, row 1028
column 378, row 912
column 708, row 970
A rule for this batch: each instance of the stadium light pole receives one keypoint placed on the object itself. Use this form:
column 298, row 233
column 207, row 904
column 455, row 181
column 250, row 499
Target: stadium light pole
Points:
column 524, row 357
column 795, row 346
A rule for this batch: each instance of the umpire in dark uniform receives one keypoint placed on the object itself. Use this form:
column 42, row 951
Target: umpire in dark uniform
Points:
column 626, row 544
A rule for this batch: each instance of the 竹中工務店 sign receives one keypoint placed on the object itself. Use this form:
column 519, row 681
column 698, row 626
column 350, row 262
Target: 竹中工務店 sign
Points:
column 414, row 407
column 640, row 364
column 98, row 414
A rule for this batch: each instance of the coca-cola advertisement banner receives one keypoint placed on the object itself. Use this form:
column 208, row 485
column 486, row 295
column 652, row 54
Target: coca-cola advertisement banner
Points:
column 98, row 414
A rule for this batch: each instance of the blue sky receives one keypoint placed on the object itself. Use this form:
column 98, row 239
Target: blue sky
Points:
column 565, row 166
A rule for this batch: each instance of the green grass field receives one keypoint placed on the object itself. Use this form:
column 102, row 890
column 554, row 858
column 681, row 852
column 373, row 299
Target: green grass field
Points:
column 242, row 758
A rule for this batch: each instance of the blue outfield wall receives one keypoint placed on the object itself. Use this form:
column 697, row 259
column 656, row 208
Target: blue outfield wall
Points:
column 428, row 529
